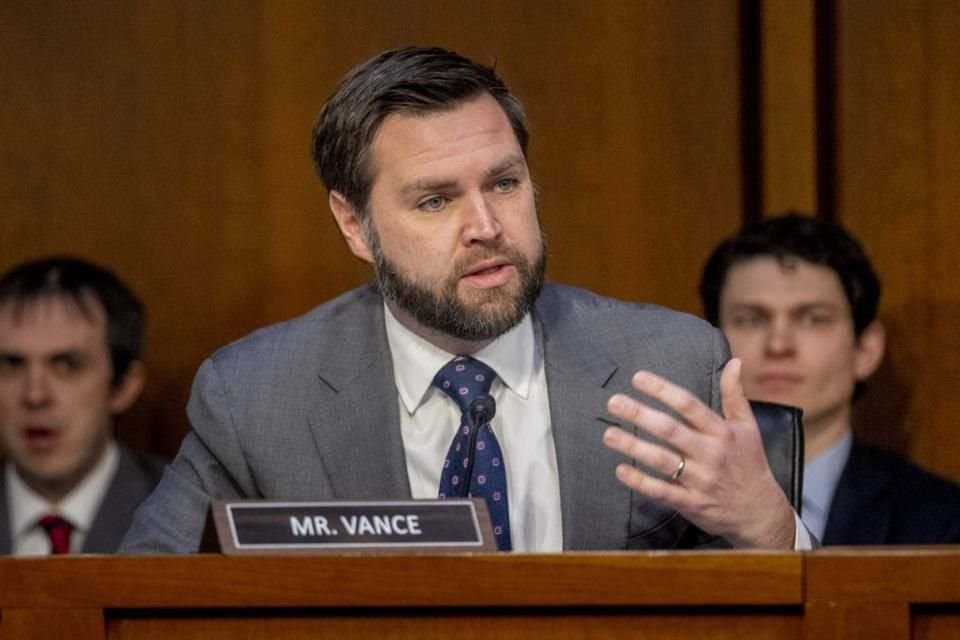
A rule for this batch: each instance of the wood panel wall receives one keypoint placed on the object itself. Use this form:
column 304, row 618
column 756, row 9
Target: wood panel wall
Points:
column 898, row 188
column 170, row 141
column 867, row 94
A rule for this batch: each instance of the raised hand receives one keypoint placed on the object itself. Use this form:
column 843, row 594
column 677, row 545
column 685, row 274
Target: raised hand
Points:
column 711, row 469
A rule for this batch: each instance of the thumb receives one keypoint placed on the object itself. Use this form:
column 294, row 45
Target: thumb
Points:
column 736, row 408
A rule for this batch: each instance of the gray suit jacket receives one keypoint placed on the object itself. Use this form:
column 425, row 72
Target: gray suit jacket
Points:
column 135, row 479
column 308, row 410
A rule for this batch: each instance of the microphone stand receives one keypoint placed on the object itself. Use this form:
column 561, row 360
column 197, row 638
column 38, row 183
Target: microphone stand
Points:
column 481, row 411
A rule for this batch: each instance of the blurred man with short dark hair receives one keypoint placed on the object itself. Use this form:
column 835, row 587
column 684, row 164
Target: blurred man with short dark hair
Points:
column 71, row 341
column 797, row 299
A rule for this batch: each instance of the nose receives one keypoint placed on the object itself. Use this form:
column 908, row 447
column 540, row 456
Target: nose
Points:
column 36, row 387
column 779, row 340
column 481, row 223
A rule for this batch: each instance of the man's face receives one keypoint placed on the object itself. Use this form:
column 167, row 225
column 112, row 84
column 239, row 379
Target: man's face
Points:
column 56, row 400
column 453, row 231
column 792, row 326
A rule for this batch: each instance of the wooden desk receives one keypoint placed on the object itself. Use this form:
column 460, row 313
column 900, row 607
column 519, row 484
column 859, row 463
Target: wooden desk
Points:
column 880, row 594
column 888, row 593
column 675, row 595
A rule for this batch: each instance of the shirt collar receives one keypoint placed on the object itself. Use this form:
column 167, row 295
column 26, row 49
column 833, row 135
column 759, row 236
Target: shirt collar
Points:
column 79, row 506
column 822, row 473
column 416, row 361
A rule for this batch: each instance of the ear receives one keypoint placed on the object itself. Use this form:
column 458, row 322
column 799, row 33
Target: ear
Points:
column 350, row 226
column 126, row 392
column 871, row 345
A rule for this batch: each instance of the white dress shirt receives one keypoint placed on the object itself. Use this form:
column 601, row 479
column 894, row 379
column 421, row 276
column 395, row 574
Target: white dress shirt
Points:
column 429, row 419
column 79, row 507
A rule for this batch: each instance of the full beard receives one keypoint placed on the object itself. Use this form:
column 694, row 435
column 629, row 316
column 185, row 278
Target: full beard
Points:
column 491, row 312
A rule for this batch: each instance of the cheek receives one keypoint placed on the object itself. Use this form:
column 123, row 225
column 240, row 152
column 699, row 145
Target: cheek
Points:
column 528, row 228
column 427, row 246
column 831, row 372
column 746, row 346
column 836, row 374
column 88, row 404
column 8, row 400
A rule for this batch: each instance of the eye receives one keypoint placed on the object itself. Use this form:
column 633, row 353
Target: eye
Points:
column 816, row 319
column 67, row 365
column 433, row 203
column 9, row 363
column 505, row 185
column 746, row 320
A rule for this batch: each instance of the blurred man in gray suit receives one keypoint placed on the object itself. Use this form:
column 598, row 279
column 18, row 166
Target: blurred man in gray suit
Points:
column 71, row 336
column 423, row 153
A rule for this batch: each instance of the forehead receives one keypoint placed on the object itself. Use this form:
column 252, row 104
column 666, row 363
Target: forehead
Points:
column 52, row 322
column 773, row 282
column 443, row 144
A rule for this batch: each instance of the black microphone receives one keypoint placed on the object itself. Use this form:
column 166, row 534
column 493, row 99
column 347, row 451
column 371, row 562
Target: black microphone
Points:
column 481, row 411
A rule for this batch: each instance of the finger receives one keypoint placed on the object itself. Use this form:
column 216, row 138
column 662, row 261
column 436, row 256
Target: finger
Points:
column 652, row 456
column 736, row 407
column 696, row 414
column 656, row 423
column 666, row 493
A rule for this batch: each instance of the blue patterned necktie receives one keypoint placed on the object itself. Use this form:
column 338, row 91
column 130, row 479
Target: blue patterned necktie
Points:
column 464, row 379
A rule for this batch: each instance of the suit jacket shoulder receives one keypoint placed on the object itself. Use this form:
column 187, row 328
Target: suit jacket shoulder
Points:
column 317, row 384
column 302, row 410
column 586, row 332
column 883, row 498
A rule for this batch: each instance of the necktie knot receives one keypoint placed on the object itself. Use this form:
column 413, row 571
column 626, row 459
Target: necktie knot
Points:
column 463, row 379
column 58, row 530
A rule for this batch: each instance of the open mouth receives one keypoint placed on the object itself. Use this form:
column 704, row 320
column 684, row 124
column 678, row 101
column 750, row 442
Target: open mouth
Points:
column 489, row 270
column 40, row 438
column 490, row 274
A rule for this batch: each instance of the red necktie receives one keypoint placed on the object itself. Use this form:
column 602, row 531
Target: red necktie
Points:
column 59, row 531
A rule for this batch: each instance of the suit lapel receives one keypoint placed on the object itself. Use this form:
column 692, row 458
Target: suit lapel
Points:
column 130, row 485
column 595, row 507
column 859, row 514
column 113, row 516
column 356, row 423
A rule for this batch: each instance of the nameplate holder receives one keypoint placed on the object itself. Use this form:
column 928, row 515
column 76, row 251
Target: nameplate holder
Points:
column 265, row 527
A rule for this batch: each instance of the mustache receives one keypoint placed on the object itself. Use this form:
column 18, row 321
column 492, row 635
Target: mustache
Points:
column 467, row 264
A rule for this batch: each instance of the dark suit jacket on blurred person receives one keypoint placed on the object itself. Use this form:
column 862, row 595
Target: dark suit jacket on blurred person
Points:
column 882, row 498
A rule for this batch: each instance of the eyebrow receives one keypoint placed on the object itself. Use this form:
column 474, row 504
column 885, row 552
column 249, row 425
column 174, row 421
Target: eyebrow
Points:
column 427, row 184
column 434, row 184
column 79, row 354
column 801, row 307
column 68, row 352
column 510, row 163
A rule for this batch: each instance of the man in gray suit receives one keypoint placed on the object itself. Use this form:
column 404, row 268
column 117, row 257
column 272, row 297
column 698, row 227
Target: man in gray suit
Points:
column 71, row 337
column 423, row 153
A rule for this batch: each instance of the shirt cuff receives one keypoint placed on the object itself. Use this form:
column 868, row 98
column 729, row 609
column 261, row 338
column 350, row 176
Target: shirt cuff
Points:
column 801, row 539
